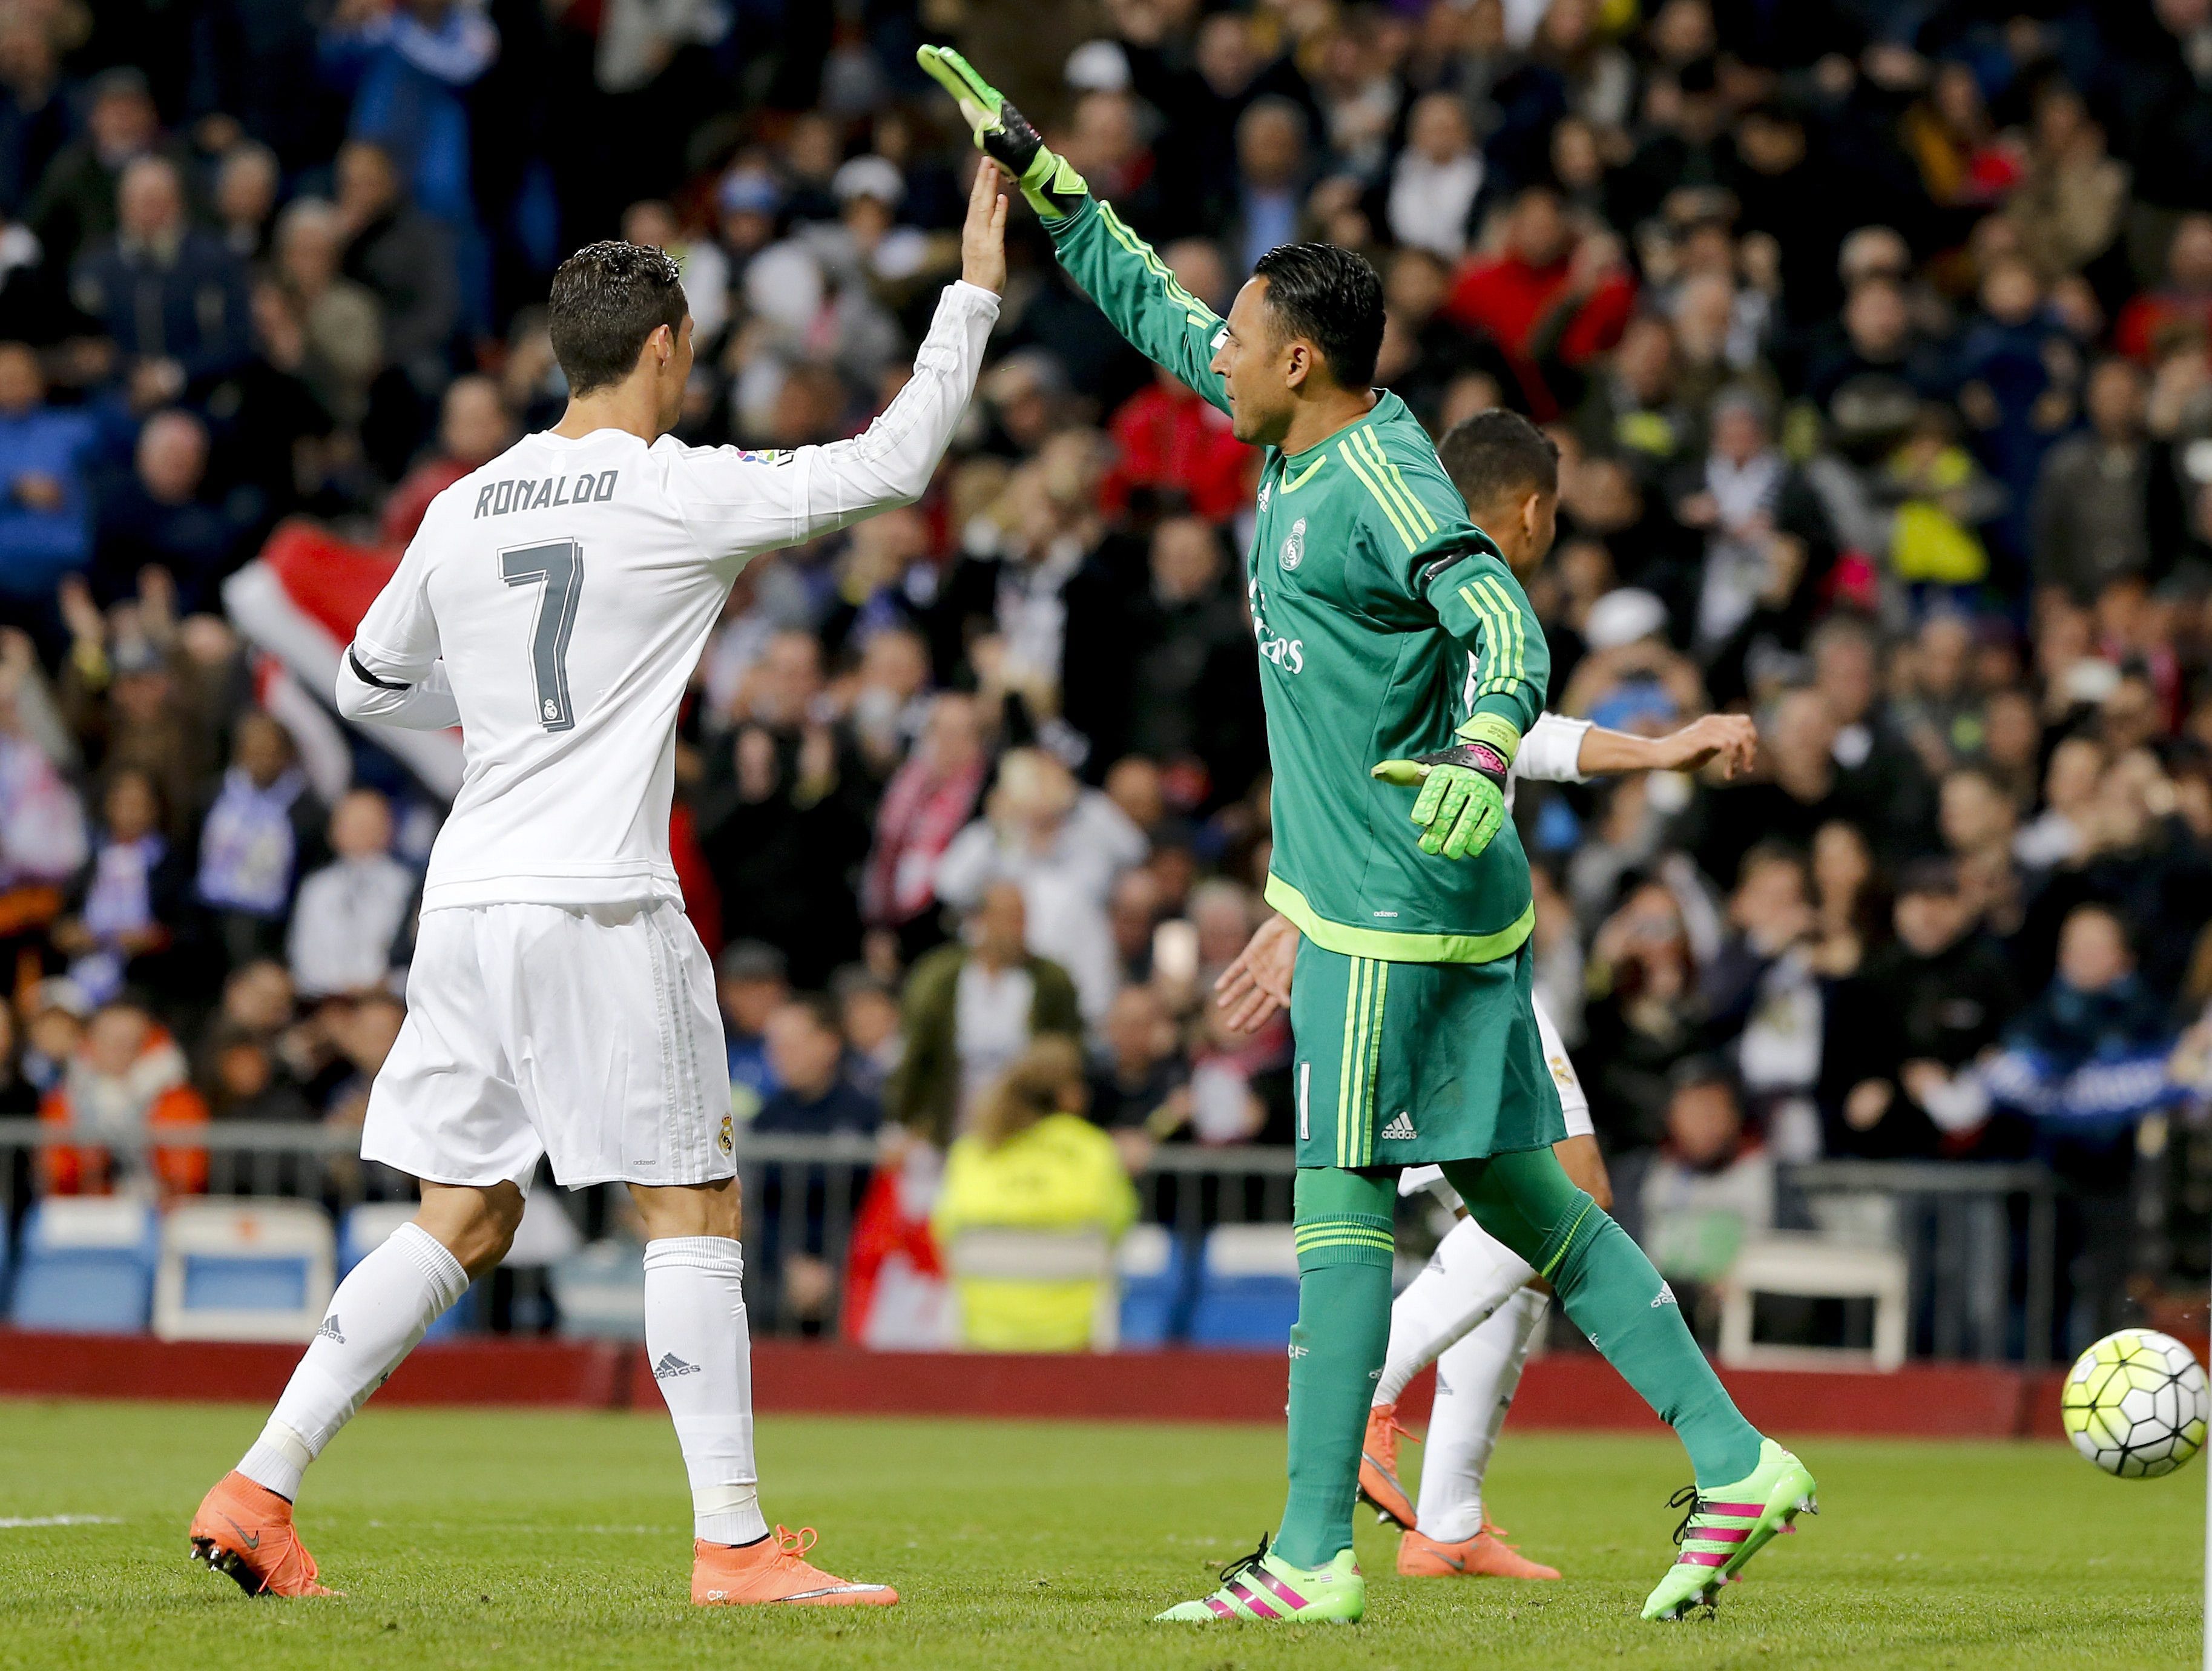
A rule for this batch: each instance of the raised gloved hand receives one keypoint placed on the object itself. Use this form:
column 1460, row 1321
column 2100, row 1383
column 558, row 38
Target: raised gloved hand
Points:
column 1005, row 135
column 1462, row 805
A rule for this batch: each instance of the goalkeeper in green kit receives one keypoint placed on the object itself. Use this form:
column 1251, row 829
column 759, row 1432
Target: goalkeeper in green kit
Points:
column 1399, row 665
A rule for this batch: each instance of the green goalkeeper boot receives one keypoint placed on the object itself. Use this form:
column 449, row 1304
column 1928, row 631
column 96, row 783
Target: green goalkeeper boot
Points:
column 1725, row 1527
column 1261, row 1586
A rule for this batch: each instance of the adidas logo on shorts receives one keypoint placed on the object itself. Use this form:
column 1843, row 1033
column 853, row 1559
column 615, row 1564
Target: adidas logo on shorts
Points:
column 671, row 1366
column 1666, row 1297
column 1400, row 1129
column 330, row 1329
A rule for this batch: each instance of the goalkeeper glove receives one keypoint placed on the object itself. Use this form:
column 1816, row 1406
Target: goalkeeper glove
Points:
column 1004, row 134
column 1462, row 801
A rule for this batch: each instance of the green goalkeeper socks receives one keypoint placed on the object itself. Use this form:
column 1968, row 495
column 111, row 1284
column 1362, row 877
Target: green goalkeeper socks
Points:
column 1345, row 1253
column 1610, row 1290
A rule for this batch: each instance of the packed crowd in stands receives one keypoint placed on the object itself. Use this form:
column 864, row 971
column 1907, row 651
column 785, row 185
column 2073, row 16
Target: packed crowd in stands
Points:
column 1877, row 339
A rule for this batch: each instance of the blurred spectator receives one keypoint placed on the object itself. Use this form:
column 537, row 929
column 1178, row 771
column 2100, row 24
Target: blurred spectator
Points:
column 1141, row 1070
column 752, row 984
column 1438, row 179
column 2182, row 301
column 1179, row 686
column 343, row 320
column 1765, row 533
column 55, row 1012
column 124, row 1089
column 1643, row 1016
column 814, row 1097
column 44, row 521
column 351, row 916
column 868, row 1014
column 1032, row 1162
column 2086, row 1063
column 1064, row 845
column 42, row 833
column 364, row 1031
column 1712, row 1184
column 75, row 204
column 814, row 1093
column 1271, row 169
column 264, row 831
column 2093, row 498
column 402, row 258
column 926, row 804
column 245, row 187
column 782, row 824
column 164, row 517
column 243, row 1080
column 474, row 428
column 135, row 899
column 969, row 1010
column 173, row 298
column 1903, row 1038
column 1551, row 292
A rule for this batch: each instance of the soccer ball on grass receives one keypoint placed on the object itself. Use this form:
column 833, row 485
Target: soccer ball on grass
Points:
column 2135, row 1404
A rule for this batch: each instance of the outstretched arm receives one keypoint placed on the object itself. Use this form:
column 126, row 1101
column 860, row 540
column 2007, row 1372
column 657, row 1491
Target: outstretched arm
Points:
column 1558, row 750
column 1731, row 739
column 740, row 504
column 1117, row 269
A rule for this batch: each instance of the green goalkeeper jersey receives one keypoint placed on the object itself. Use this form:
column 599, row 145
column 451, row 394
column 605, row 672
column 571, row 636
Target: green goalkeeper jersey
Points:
column 1384, row 618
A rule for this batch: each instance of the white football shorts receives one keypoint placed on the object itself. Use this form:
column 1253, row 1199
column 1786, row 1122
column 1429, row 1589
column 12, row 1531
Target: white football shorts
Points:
column 588, row 1034
column 1574, row 1103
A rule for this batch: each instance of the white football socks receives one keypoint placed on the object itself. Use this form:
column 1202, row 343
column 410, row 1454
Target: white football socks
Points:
column 376, row 1317
column 1475, row 1380
column 1470, row 1276
column 696, row 1335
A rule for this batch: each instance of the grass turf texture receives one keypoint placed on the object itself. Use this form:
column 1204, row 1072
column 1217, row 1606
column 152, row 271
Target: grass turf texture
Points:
column 490, row 1538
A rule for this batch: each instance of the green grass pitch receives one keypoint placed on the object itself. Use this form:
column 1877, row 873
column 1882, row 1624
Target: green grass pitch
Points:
column 505, row 1539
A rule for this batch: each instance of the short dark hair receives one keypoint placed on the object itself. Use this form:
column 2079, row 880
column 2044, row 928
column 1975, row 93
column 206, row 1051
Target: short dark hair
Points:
column 1498, row 452
column 1333, row 298
column 607, row 299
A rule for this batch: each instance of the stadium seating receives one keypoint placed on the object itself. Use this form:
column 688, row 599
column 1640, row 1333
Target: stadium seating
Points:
column 1814, row 1267
column 244, row 1270
column 1248, row 1292
column 87, row 1266
column 601, row 1292
column 1155, row 1281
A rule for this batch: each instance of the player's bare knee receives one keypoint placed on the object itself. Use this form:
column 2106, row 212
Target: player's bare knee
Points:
column 476, row 1225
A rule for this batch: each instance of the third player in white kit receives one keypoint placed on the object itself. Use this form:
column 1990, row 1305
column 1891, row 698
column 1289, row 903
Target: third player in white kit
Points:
column 554, row 605
column 1473, row 1310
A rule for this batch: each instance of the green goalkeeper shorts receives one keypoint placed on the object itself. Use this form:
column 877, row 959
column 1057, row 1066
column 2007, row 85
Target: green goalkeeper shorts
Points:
column 1404, row 1064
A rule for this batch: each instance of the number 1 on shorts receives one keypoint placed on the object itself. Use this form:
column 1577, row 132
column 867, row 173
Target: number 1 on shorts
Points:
column 557, row 568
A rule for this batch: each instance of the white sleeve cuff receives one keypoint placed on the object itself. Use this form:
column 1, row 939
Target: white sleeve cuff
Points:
column 1550, row 750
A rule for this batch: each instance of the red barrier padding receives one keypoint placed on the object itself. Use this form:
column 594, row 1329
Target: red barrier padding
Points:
column 1571, row 1390
column 588, row 1373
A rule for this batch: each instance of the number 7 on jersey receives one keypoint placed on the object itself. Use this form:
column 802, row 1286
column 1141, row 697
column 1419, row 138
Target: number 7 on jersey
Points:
column 556, row 569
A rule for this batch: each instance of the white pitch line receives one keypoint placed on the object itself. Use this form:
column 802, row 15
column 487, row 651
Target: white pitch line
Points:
column 22, row 1522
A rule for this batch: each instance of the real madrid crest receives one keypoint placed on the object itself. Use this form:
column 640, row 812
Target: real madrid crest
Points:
column 1294, row 546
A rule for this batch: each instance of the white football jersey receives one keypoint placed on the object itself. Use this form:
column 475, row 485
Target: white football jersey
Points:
column 555, row 601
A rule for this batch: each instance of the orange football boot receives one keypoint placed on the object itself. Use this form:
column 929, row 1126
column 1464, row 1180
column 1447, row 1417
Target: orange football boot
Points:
column 1378, row 1466
column 774, row 1570
column 245, row 1532
column 1484, row 1555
